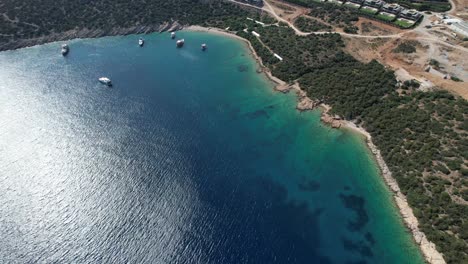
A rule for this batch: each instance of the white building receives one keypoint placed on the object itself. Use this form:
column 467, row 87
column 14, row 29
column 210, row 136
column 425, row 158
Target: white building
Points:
column 460, row 28
column 278, row 57
column 260, row 23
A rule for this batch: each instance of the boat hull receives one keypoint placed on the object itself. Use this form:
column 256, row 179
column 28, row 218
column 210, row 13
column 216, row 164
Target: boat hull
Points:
column 180, row 43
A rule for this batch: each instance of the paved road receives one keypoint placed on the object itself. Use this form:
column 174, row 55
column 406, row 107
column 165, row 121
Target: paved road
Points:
column 453, row 7
column 269, row 9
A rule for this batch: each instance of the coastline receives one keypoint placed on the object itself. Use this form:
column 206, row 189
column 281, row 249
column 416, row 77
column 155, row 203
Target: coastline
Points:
column 304, row 102
column 89, row 33
column 427, row 247
column 279, row 83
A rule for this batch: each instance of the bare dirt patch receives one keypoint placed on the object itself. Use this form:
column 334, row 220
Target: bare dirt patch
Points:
column 374, row 28
column 364, row 49
column 414, row 65
column 288, row 11
column 461, row 8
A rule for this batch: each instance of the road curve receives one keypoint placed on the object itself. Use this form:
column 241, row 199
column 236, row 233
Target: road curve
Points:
column 269, row 9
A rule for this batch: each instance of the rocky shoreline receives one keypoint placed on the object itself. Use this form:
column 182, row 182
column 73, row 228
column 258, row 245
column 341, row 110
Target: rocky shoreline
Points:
column 304, row 103
column 428, row 248
column 89, row 33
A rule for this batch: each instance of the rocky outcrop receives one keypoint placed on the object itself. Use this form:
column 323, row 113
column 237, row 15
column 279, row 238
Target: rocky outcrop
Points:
column 304, row 102
column 334, row 122
column 428, row 248
column 88, row 33
column 284, row 88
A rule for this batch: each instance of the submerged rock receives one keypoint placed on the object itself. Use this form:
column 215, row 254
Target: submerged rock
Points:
column 242, row 68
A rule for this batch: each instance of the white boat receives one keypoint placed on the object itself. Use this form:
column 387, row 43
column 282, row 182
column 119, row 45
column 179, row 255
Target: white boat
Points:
column 141, row 42
column 65, row 49
column 180, row 43
column 172, row 35
column 203, row 46
column 105, row 80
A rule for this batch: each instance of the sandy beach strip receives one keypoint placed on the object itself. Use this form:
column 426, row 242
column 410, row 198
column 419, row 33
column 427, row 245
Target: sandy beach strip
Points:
column 427, row 248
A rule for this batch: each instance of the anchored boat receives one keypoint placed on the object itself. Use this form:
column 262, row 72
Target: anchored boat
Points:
column 203, row 46
column 105, row 80
column 65, row 49
column 141, row 42
column 180, row 43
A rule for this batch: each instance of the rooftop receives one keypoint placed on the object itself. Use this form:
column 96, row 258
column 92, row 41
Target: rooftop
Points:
column 374, row 2
column 392, row 8
column 461, row 27
column 410, row 13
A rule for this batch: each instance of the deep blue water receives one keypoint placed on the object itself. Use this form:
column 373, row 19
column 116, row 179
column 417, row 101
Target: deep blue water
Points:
column 190, row 157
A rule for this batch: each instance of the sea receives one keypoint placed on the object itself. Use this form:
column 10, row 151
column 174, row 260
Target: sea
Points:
column 190, row 157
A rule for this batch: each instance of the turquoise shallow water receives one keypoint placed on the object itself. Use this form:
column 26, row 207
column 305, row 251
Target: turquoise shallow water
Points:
column 190, row 157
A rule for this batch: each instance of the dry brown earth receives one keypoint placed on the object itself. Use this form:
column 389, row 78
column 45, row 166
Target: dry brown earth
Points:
column 412, row 66
column 288, row 11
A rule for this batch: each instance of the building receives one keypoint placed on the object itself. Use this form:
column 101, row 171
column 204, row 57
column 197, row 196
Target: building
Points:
column 410, row 14
column 433, row 1
column 374, row 3
column 278, row 57
column 337, row 2
column 392, row 8
column 260, row 23
column 359, row 2
column 460, row 28
column 450, row 21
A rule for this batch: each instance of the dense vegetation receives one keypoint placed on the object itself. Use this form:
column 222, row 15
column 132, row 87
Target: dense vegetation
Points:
column 306, row 53
column 351, row 29
column 309, row 25
column 406, row 47
column 422, row 136
column 435, row 64
column 37, row 18
column 339, row 16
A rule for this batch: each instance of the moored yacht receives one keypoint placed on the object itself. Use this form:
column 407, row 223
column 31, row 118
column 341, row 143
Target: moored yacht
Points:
column 180, row 43
column 65, row 49
column 203, row 46
column 105, row 80
column 172, row 35
column 141, row 42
